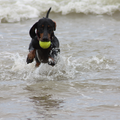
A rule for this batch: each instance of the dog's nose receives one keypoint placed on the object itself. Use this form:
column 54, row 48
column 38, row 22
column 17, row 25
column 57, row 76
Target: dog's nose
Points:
column 45, row 38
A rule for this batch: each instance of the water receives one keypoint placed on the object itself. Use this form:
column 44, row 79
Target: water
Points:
column 84, row 85
column 20, row 10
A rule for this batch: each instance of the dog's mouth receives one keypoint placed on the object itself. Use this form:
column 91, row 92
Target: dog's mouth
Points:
column 44, row 38
column 44, row 44
column 44, row 41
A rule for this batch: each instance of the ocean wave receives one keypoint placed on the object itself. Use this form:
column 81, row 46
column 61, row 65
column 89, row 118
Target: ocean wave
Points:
column 18, row 10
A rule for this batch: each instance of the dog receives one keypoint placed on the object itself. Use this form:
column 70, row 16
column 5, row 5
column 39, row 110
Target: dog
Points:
column 41, row 32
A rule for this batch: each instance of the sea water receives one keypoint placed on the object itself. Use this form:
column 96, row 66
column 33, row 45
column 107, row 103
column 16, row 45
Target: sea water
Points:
column 85, row 83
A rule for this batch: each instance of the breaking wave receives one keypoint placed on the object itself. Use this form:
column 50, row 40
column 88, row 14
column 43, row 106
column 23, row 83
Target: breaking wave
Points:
column 18, row 10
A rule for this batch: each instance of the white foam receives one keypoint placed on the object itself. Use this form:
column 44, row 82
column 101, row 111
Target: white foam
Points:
column 17, row 10
column 17, row 65
column 62, row 71
column 67, row 67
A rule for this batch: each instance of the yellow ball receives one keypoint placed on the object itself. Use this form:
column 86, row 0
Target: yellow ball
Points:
column 44, row 45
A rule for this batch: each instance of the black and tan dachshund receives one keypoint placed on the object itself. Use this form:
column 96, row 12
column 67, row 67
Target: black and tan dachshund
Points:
column 43, row 30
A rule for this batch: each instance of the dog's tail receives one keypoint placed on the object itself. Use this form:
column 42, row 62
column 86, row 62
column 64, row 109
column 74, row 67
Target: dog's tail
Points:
column 48, row 12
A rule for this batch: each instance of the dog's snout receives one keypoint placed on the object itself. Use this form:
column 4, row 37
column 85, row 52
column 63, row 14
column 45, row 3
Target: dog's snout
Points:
column 45, row 38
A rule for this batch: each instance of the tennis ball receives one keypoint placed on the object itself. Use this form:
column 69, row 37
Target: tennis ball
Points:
column 44, row 45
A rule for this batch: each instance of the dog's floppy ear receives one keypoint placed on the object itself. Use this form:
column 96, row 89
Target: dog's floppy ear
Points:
column 54, row 25
column 32, row 30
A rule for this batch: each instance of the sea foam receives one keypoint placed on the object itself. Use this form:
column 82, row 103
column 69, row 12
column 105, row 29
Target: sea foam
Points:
column 14, row 65
column 18, row 10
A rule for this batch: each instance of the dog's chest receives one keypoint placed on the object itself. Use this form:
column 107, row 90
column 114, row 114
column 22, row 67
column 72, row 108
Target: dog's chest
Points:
column 42, row 55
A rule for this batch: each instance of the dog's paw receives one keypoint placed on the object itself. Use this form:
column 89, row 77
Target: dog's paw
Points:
column 28, row 60
column 51, row 62
column 30, row 56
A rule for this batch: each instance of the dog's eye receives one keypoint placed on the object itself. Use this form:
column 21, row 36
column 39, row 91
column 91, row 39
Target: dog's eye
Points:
column 42, row 26
column 49, row 26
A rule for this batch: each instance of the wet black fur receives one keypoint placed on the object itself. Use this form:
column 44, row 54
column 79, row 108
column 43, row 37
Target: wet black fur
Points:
column 41, row 27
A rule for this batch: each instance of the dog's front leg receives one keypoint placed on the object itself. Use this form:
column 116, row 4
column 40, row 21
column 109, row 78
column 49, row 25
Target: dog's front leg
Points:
column 52, row 60
column 31, row 56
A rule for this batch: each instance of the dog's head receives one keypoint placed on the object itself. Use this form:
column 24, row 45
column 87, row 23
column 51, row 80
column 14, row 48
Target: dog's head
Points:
column 44, row 28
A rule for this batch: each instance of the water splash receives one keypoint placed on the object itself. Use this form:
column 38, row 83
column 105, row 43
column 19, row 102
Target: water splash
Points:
column 66, row 69
column 17, row 65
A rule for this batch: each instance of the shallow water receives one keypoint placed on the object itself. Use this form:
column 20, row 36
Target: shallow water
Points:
column 84, row 85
